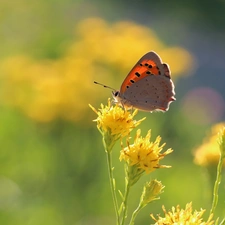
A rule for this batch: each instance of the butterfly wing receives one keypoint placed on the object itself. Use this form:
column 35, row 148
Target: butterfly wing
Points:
column 148, row 86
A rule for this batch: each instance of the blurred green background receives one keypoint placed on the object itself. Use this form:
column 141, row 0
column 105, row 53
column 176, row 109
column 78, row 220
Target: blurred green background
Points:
column 52, row 162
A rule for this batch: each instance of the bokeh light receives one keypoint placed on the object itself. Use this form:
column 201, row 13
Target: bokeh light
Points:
column 203, row 105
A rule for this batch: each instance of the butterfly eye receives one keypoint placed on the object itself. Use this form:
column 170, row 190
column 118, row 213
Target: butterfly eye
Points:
column 115, row 93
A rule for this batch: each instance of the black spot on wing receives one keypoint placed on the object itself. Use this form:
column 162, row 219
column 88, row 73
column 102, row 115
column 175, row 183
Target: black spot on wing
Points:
column 137, row 74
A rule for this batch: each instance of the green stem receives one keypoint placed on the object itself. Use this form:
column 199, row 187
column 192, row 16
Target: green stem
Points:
column 127, row 190
column 112, row 185
column 216, row 185
column 222, row 222
column 134, row 214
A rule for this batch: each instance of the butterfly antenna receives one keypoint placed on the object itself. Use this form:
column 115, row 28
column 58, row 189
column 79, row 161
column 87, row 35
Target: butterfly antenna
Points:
column 105, row 86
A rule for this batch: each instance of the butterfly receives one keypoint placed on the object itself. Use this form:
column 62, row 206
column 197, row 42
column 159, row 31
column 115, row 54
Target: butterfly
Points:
column 147, row 87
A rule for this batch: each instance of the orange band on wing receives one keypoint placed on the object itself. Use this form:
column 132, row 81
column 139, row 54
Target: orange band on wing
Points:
column 141, row 70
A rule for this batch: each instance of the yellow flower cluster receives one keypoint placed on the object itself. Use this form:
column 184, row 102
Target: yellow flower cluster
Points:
column 114, row 123
column 145, row 154
column 182, row 216
column 115, row 120
column 209, row 152
column 49, row 89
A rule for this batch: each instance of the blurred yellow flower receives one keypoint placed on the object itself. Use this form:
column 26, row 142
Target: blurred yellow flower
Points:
column 114, row 123
column 182, row 216
column 144, row 154
column 46, row 90
column 209, row 152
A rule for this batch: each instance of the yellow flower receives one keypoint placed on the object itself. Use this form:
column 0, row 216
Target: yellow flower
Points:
column 114, row 123
column 182, row 216
column 209, row 152
column 144, row 154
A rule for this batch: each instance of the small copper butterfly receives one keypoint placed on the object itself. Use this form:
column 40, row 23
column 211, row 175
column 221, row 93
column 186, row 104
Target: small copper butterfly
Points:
column 147, row 87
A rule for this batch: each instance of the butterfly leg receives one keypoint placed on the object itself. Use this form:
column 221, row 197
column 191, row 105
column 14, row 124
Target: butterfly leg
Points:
column 119, row 103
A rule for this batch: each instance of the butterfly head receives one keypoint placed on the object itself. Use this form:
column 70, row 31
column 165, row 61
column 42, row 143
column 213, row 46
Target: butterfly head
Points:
column 116, row 96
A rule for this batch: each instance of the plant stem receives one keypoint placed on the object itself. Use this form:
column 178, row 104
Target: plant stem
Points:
column 112, row 185
column 134, row 214
column 222, row 222
column 216, row 185
column 127, row 190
